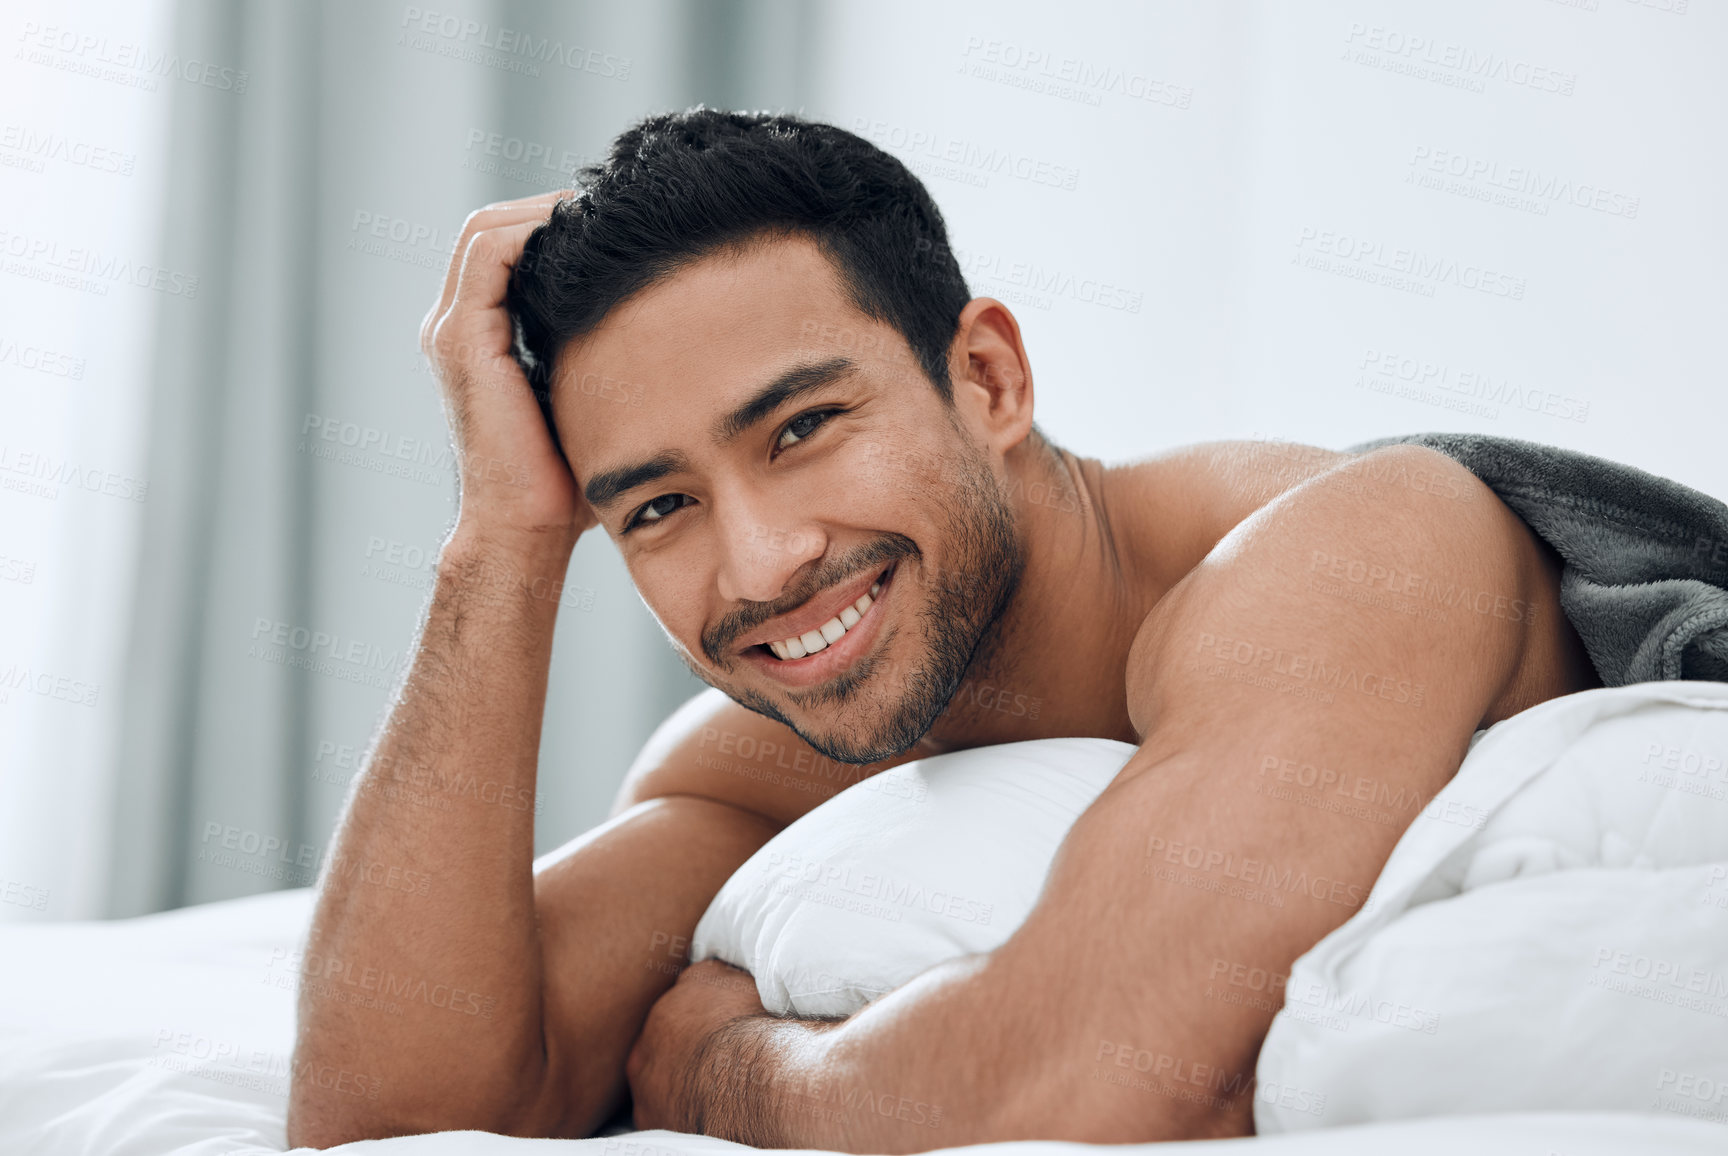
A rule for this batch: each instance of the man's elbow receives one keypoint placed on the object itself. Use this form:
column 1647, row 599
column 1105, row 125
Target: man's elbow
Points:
column 308, row 1127
column 321, row 1118
column 1138, row 1108
column 1149, row 1124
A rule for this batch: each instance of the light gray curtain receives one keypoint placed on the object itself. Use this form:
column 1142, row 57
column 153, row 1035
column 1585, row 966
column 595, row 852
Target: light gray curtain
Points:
column 320, row 203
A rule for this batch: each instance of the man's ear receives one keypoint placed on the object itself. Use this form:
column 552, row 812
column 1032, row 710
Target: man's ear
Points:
column 992, row 378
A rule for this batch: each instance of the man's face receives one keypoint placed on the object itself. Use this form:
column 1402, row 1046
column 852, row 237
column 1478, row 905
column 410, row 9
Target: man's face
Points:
column 764, row 456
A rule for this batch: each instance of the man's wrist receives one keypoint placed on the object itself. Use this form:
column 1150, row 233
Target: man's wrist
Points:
column 752, row 1081
column 539, row 552
column 506, row 566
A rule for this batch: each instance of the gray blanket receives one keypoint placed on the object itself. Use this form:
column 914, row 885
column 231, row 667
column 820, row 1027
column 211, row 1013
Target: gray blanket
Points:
column 1645, row 582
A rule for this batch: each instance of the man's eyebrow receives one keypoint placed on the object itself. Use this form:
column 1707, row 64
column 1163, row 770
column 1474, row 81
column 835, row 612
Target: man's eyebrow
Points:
column 794, row 383
column 605, row 488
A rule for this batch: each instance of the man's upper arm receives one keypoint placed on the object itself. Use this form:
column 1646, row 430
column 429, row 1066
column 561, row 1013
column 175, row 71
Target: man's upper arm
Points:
column 1294, row 721
column 714, row 748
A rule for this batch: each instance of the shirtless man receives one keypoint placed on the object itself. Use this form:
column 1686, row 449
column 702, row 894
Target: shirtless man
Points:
column 826, row 413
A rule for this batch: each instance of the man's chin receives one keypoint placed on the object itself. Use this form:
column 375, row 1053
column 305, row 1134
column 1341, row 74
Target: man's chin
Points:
column 846, row 751
column 899, row 725
column 846, row 742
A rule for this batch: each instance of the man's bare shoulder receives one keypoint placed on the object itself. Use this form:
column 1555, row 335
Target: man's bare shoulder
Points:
column 716, row 749
column 1171, row 508
column 1399, row 562
column 1233, row 478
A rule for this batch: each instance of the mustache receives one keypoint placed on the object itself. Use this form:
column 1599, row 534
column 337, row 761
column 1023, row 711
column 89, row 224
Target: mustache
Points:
column 717, row 642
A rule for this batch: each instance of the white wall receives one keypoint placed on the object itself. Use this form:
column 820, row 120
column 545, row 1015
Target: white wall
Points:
column 1262, row 128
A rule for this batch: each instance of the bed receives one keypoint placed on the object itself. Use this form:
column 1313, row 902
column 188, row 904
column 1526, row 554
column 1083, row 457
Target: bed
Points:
column 1542, row 968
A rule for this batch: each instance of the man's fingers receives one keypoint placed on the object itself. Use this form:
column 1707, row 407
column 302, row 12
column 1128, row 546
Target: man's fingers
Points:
column 491, row 217
column 486, row 265
column 475, row 314
column 483, row 271
column 504, row 213
column 550, row 198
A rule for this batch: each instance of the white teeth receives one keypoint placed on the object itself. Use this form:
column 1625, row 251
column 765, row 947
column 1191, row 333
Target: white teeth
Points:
column 829, row 632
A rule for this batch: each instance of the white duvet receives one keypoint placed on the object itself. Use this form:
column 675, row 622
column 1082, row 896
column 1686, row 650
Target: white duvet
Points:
column 1552, row 933
column 1544, row 969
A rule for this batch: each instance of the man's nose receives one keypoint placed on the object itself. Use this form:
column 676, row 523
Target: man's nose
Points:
column 759, row 556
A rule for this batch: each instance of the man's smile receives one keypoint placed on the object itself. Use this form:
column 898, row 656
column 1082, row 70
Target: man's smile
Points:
column 825, row 636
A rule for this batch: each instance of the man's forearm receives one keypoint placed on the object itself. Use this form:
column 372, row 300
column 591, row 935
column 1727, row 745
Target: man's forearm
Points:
column 973, row 1051
column 432, row 990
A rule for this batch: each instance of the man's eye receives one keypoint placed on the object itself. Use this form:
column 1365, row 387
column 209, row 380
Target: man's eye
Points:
column 654, row 511
column 797, row 430
column 803, row 426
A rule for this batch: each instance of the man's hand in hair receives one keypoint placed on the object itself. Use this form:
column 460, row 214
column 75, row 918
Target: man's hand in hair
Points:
column 515, row 482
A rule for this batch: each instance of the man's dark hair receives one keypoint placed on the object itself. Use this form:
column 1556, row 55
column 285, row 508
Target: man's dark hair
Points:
column 680, row 186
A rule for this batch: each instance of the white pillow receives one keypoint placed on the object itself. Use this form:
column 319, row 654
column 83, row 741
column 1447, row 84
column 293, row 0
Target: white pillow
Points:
column 922, row 863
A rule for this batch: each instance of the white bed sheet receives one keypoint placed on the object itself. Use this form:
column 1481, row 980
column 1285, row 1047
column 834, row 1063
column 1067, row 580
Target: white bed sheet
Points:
column 101, row 1024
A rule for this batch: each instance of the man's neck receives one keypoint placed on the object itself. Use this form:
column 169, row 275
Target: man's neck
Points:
column 1053, row 665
